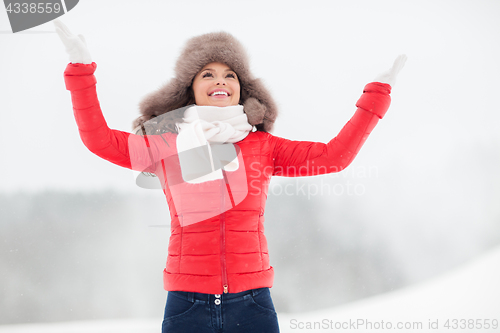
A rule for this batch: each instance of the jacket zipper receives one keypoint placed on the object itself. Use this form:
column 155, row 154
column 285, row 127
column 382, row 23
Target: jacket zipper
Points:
column 223, row 253
column 223, row 235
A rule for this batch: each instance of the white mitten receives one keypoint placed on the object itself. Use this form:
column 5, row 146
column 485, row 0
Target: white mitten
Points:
column 76, row 46
column 389, row 76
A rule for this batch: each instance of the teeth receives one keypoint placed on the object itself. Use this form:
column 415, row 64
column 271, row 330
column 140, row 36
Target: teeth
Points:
column 219, row 93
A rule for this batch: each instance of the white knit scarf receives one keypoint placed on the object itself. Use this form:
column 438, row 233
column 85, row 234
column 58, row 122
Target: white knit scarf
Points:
column 205, row 125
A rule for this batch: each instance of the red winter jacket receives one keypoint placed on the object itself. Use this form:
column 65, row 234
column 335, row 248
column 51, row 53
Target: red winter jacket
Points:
column 226, row 252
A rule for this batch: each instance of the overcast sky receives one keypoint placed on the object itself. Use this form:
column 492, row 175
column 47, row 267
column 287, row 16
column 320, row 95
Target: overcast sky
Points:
column 314, row 56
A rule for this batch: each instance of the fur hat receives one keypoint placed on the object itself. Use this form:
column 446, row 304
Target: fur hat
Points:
column 177, row 93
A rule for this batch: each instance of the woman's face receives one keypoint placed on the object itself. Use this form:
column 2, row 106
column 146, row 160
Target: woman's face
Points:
column 216, row 85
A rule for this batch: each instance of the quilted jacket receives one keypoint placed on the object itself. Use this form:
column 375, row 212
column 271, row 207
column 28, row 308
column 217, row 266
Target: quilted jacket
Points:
column 217, row 242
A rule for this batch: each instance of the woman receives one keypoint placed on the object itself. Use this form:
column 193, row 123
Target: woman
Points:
column 205, row 135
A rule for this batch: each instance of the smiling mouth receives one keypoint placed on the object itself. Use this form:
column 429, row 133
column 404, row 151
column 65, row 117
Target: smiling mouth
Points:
column 220, row 93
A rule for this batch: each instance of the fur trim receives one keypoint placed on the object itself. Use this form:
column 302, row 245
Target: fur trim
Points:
column 199, row 51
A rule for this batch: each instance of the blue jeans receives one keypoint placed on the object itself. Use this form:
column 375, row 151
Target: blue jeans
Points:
column 248, row 311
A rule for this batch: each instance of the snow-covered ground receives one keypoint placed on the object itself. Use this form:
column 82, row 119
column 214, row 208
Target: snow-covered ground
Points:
column 466, row 299
column 468, row 296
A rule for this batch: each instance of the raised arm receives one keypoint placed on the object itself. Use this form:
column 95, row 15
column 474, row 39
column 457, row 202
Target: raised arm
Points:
column 121, row 148
column 302, row 158
column 111, row 145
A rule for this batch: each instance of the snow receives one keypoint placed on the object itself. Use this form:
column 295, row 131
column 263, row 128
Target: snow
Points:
column 98, row 326
column 470, row 292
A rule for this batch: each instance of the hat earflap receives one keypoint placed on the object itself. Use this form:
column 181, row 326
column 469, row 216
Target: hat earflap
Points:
column 255, row 111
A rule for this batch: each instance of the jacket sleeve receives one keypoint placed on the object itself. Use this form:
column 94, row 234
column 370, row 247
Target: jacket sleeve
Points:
column 121, row 148
column 303, row 158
